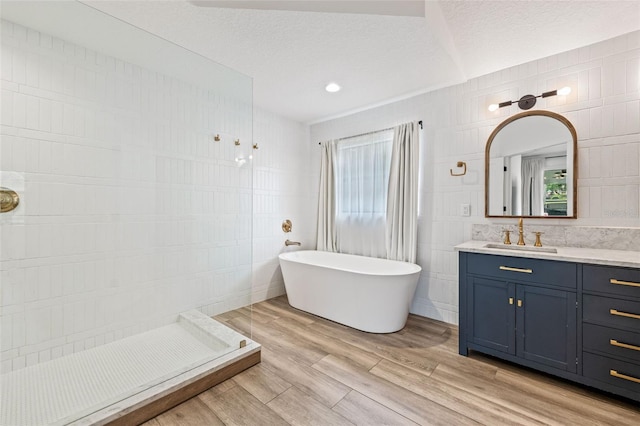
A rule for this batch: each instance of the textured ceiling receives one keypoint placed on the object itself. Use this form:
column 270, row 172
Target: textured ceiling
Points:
column 493, row 35
column 377, row 7
column 292, row 55
column 376, row 54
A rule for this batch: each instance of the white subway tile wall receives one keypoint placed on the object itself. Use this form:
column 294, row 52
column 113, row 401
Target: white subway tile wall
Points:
column 130, row 213
column 604, row 106
column 282, row 177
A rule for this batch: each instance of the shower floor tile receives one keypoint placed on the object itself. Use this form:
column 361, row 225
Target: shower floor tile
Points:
column 68, row 388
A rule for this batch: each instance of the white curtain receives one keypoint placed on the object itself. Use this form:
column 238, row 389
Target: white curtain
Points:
column 362, row 179
column 402, row 202
column 326, row 232
column 533, row 186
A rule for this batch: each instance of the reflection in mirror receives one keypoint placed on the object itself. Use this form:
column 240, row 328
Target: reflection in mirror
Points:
column 530, row 167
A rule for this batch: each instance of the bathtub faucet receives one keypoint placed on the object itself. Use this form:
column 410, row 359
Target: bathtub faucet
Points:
column 292, row 243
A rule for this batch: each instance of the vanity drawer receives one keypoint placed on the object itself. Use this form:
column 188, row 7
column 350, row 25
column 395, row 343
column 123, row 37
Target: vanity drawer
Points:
column 611, row 341
column 608, row 279
column 522, row 269
column 610, row 311
column 614, row 372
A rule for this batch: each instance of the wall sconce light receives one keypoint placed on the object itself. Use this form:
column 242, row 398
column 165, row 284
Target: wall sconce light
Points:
column 528, row 101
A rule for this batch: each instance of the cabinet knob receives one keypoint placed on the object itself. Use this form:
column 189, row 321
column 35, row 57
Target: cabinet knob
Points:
column 519, row 303
column 511, row 300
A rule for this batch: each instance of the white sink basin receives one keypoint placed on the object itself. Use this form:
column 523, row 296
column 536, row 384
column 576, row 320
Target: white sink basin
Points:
column 522, row 248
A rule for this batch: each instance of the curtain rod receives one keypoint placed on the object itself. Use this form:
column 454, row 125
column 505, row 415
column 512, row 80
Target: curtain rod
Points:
column 370, row 133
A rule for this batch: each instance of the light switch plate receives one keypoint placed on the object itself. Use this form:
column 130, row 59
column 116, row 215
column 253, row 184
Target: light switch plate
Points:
column 465, row 210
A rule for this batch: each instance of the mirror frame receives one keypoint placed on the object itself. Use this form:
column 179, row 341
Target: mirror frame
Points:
column 500, row 126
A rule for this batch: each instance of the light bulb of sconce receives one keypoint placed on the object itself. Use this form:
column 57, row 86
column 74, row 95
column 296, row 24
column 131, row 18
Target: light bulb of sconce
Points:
column 564, row 91
column 493, row 107
column 332, row 87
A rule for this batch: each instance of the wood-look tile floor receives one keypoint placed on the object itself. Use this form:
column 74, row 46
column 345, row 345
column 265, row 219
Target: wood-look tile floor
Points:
column 317, row 372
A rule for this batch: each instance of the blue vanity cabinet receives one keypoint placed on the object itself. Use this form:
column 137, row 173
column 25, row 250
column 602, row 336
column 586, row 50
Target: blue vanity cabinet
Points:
column 520, row 309
column 491, row 314
column 611, row 329
column 578, row 321
column 546, row 327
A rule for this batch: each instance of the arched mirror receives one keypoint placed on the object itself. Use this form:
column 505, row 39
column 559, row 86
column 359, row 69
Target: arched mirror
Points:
column 531, row 167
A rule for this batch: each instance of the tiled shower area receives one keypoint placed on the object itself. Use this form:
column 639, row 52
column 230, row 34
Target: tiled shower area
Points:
column 102, row 384
column 133, row 161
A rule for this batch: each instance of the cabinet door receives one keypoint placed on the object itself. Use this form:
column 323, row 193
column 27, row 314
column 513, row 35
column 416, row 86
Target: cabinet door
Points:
column 491, row 314
column 546, row 326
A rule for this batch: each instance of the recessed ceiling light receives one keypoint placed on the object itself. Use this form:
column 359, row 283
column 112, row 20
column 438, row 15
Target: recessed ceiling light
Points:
column 332, row 87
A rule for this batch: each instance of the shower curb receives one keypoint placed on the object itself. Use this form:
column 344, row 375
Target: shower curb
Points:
column 153, row 406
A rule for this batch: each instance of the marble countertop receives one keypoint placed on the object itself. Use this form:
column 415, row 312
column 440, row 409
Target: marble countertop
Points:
column 629, row 259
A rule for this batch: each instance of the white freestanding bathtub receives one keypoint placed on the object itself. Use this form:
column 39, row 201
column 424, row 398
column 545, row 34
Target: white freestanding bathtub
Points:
column 365, row 293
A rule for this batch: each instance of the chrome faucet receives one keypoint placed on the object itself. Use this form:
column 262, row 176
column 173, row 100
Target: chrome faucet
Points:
column 520, row 232
column 292, row 243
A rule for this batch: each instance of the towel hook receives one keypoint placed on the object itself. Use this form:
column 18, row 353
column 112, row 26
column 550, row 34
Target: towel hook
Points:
column 9, row 199
column 464, row 169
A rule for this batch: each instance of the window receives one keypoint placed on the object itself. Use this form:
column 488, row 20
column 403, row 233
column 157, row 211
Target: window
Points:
column 362, row 182
column 555, row 192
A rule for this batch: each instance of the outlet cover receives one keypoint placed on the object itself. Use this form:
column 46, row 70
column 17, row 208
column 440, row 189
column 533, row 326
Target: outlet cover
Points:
column 465, row 210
